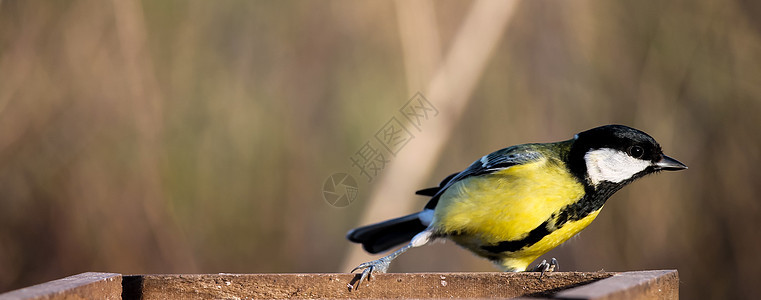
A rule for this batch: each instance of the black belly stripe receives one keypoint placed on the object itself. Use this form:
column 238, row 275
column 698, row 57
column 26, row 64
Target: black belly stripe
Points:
column 533, row 236
column 592, row 201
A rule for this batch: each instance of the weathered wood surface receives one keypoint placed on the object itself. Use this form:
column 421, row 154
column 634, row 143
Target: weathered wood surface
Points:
column 89, row 285
column 662, row 284
column 394, row 285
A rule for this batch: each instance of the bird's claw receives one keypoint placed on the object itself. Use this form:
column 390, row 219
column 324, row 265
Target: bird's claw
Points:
column 370, row 267
column 546, row 267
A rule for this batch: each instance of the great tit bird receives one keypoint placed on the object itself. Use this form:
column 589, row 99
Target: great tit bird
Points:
column 515, row 204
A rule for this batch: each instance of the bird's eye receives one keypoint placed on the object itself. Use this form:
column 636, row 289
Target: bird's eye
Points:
column 636, row 151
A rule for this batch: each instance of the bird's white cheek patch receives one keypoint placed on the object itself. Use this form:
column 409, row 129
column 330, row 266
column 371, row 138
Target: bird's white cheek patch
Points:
column 612, row 165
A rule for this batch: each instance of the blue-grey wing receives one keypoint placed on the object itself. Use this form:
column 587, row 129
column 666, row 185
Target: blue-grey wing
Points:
column 495, row 161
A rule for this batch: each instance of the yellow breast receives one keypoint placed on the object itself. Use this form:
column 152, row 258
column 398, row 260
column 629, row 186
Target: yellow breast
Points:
column 508, row 204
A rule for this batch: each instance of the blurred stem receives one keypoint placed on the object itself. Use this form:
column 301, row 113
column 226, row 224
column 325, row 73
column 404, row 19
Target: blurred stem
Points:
column 420, row 41
column 147, row 113
column 449, row 90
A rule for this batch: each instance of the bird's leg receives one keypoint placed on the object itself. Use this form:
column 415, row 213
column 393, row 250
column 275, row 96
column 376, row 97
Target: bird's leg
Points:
column 381, row 265
column 546, row 267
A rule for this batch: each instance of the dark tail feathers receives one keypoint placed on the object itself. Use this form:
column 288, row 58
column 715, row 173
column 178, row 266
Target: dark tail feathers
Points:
column 385, row 235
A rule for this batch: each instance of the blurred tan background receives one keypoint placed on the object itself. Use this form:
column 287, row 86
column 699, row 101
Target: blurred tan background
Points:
column 195, row 136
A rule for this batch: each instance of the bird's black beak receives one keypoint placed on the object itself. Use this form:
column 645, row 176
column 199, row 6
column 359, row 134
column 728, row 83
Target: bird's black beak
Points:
column 669, row 164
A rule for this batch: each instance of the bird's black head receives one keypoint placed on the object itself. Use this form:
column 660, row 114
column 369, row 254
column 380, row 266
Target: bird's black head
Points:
column 617, row 154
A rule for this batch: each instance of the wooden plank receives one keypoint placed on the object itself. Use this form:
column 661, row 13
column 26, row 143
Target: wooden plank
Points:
column 559, row 285
column 394, row 285
column 82, row 286
column 662, row 284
